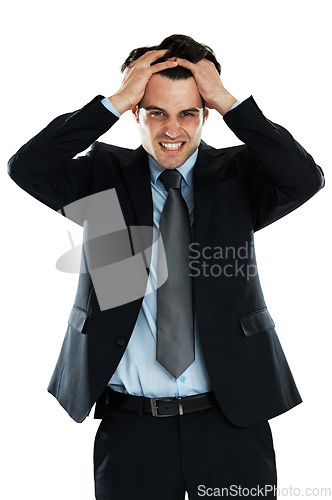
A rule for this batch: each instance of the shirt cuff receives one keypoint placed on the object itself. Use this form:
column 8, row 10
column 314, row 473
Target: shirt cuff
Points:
column 107, row 103
column 234, row 105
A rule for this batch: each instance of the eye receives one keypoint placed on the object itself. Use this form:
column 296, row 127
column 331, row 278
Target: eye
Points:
column 156, row 113
column 187, row 113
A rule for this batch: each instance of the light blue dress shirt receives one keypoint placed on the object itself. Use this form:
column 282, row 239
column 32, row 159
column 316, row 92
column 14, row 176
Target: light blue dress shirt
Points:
column 138, row 372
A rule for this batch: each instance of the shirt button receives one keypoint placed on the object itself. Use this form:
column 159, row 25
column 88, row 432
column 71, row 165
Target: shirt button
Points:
column 121, row 342
column 182, row 379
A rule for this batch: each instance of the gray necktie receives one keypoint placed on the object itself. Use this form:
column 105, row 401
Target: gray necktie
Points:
column 175, row 326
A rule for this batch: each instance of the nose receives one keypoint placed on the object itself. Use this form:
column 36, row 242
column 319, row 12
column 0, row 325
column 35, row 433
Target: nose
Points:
column 173, row 128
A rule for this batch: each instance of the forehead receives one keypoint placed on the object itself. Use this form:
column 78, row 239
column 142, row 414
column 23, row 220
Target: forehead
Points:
column 173, row 95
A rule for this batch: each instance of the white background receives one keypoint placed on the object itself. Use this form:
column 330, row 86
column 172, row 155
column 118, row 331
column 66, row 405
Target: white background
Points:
column 55, row 58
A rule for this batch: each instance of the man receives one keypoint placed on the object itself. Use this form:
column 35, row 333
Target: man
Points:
column 186, row 377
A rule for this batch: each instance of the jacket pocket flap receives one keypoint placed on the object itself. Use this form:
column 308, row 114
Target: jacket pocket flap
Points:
column 77, row 318
column 256, row 322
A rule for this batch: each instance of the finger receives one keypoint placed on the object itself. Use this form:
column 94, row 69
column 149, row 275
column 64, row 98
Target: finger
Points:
column 152, row 55
column 160, row 66
column 163, row 65
column 202, row 63
column 186, row 64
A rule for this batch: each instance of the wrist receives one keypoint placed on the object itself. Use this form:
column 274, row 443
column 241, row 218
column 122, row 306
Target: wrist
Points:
column 224, row 102
column 119, row 103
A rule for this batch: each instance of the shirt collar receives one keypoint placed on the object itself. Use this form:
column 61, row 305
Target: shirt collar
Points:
column 186, row 169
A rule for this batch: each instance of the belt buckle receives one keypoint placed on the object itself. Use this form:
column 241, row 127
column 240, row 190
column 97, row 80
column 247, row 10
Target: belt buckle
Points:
column 154, row 406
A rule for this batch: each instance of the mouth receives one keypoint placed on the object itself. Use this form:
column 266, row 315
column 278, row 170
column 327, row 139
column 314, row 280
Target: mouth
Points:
column 171, row 147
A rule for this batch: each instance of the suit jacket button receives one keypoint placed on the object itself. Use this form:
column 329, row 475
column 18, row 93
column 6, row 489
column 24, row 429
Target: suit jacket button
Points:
column 121, row 342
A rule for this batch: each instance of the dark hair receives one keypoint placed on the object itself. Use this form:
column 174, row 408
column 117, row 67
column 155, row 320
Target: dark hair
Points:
column 178, row 46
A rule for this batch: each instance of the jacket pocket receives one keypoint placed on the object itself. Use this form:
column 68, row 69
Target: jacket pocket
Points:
column 78, row 318
column 256, row 322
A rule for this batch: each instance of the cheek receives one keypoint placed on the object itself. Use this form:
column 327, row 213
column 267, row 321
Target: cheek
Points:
column 146, row 132
column 195, row 132
column 150, row 129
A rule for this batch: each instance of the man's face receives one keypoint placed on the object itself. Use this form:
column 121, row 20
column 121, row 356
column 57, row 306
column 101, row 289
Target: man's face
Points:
column 170, row 120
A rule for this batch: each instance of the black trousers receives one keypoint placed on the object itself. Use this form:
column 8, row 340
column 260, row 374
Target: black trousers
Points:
column 141, row 457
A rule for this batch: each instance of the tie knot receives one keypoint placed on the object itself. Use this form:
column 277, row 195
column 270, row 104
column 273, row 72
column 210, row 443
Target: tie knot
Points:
column 171, row 178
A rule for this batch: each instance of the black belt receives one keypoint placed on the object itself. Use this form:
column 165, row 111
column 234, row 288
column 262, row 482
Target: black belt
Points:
column 161, row 407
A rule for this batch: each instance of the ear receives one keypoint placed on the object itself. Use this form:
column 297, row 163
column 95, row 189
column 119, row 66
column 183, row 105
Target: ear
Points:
column 206, row 115
column 135, row 113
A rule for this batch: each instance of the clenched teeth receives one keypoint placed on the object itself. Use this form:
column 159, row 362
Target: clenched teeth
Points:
column 172, row 146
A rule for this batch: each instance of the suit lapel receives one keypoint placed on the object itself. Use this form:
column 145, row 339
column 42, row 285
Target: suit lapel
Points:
column 205, row 172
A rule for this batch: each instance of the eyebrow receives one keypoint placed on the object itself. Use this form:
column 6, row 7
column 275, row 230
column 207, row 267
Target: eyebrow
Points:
column 193, row 110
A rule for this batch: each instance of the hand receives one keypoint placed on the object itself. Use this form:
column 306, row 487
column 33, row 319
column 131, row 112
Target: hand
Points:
column 136, row 77
column 209, row 84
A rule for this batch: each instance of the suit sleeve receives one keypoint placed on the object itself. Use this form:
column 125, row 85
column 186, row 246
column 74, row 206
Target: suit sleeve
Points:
column 45, row 166
column 280, row 174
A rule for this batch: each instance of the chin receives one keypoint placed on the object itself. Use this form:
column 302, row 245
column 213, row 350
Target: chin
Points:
column 172, row 162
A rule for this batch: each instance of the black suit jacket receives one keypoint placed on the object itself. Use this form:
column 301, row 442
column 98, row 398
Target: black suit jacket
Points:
column 237, row 191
